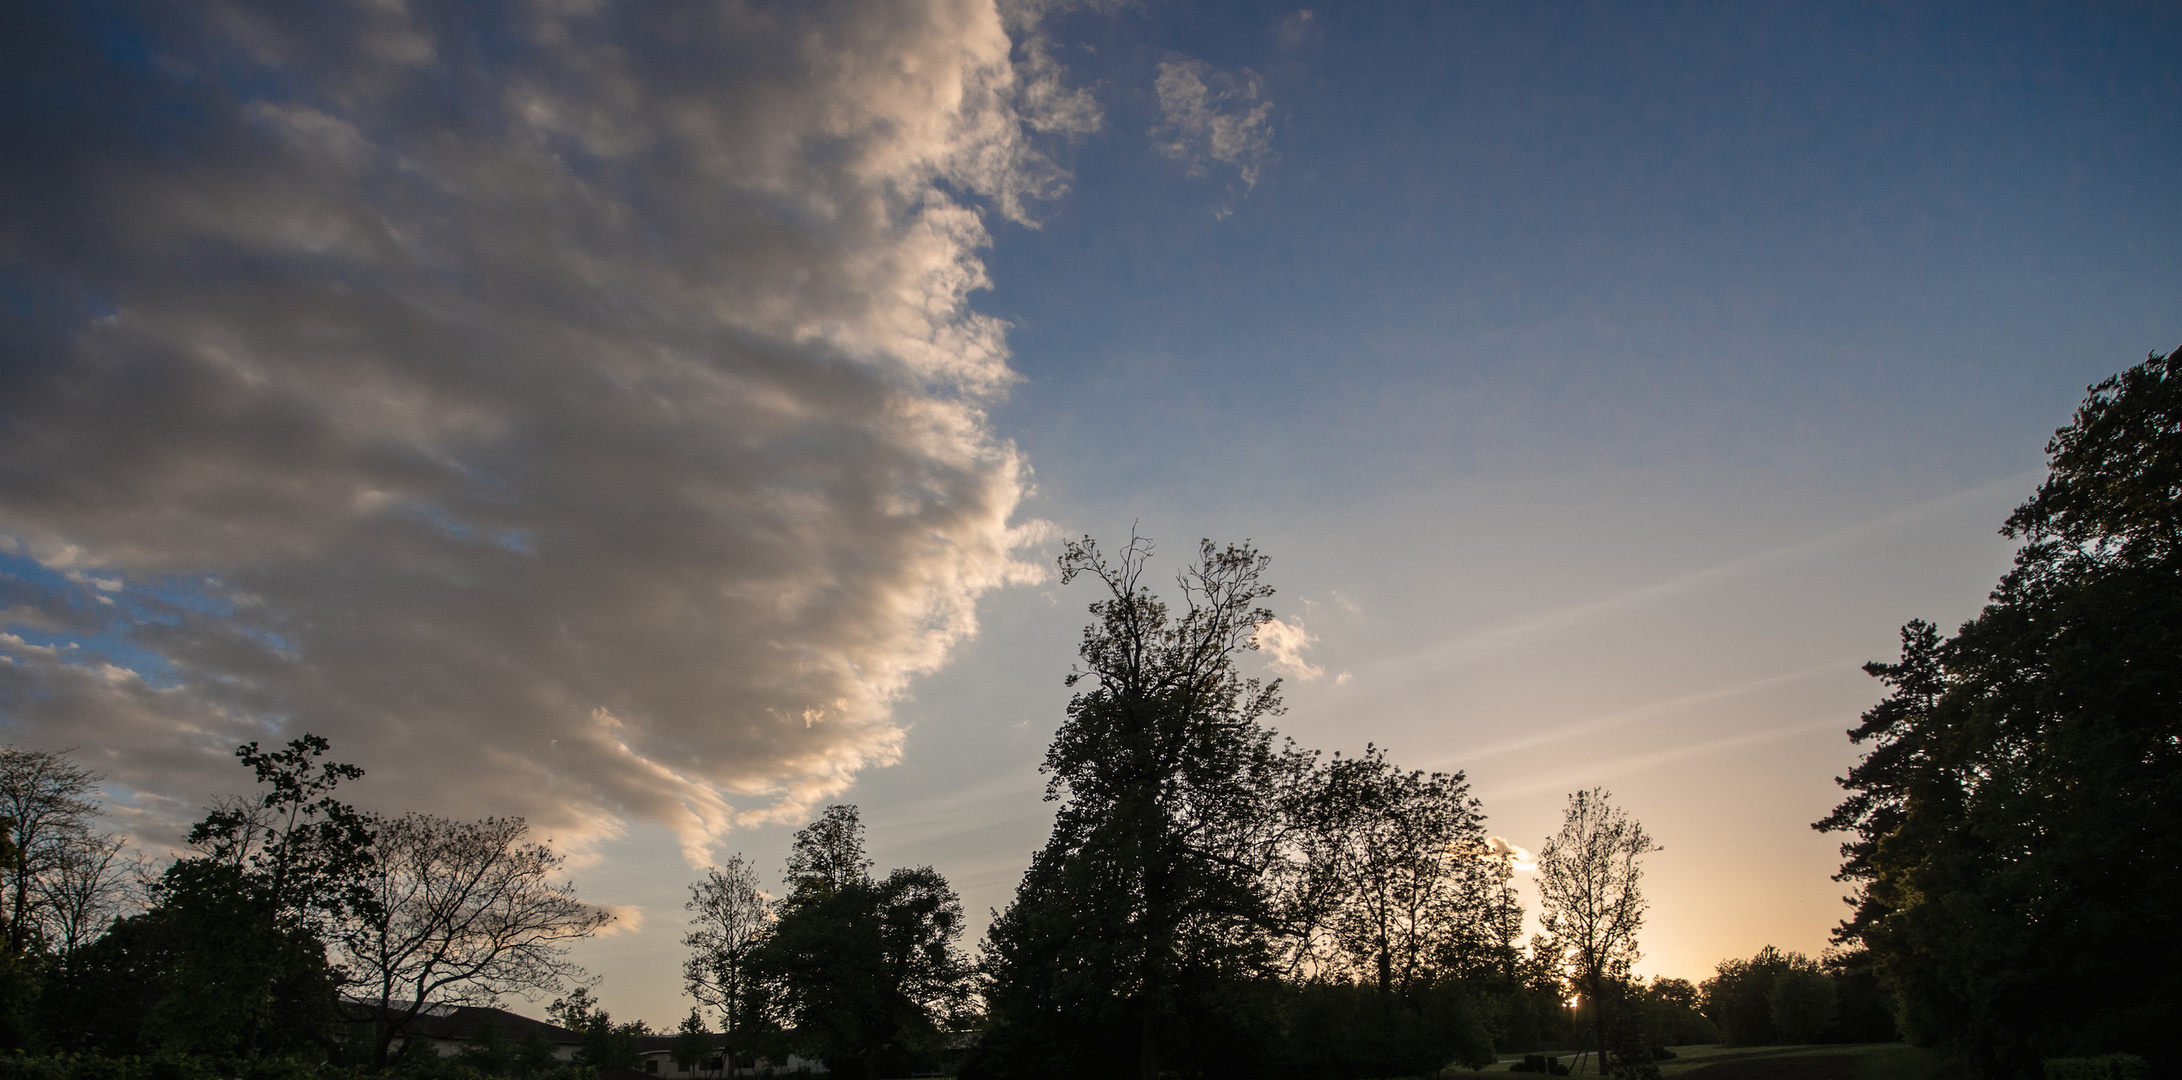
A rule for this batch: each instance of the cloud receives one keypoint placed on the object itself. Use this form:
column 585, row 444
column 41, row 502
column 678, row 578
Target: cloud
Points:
column 1210, row 117
column 627, row 919
column 1297, row 28
column 570, row 410
column 1519, row 859
column 1286, row 641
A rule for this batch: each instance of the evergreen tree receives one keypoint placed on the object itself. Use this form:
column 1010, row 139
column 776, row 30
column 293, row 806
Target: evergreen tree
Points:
column 2014, row 826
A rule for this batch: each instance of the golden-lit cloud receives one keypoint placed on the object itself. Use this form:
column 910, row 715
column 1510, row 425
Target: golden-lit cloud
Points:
column 579, row 416
column 1286, row 642
column 1519, row 859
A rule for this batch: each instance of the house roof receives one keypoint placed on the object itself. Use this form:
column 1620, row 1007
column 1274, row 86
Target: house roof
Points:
column 470, row 1022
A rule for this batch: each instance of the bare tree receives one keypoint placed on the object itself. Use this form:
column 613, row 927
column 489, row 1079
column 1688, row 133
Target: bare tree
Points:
column 462, row 913
column 730, row 914
column 1592, row 907
column 89, row 885
column 46, row 808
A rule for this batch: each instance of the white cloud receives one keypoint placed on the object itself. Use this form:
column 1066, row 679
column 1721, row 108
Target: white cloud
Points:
column 1519, row 859
column 1286, row 642
column 1297, row 28
column 579, row 417
column 1210, row 117
column 627, row 919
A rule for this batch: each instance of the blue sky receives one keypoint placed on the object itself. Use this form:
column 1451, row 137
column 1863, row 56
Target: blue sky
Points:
column 1606, row 382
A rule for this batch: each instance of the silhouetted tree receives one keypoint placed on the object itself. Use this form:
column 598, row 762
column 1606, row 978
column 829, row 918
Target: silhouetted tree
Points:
column 1151, row 892
column 2012, row 826
column 47, row 803
column 458, row 913
column 1591, row 905
column 606, row 1045
column 729, row 916
column 1393, row 883
column 861, row 974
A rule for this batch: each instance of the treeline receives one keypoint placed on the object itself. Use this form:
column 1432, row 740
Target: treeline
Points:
column 2015, row 827
column 297, row 935
column 1213, row 901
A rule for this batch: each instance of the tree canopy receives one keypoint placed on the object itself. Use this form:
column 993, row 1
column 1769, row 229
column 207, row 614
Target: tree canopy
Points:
column 2012, row 828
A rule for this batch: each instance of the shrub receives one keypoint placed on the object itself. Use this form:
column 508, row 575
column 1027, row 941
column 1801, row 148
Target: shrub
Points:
column 2108, row 1067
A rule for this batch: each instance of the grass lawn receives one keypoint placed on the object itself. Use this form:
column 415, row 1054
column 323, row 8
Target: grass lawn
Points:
column 1870, row 1061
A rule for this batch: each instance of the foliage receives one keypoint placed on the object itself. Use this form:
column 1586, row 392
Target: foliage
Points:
column 1591, row 905
column 1345, row 1031
column 299, row 851
column 1539, row 1063
column 606, row 1045
column 1739, row 996
column 2104, row 1067
column 230, row 961
column 2012, row 826
column 1390, row 880
column 861, row 974
column 1151, row 893
column 693, row 1042
column 458, row 913
column 1802, row 1005
column 165, row 1066
column 729, row 915
column 492, row 1053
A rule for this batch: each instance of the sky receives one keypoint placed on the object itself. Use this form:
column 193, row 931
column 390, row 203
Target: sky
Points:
column 659, row 421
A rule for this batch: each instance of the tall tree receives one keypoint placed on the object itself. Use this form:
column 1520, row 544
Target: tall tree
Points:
column 1395, row 879
column 92, row 883
column 299, row 849
column 729, row 916
column 459, row 913
column 236, row 943
column 861, row 974
column 1152, row 886
column 2013, row 824
column 47, row 804
column 1591, row 904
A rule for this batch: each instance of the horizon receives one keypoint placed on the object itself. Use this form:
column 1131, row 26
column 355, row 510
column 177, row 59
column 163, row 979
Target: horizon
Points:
column 663, row 426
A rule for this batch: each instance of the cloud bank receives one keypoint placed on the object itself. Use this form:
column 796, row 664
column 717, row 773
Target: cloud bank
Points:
column 570, row 409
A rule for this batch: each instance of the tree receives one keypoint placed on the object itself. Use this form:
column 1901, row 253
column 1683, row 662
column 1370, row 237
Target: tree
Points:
column 46, row 803
column 1739, row 996
column 1393, row 873
column 693, row 1043
column 1802, row 1005
column 606, row 1045
column 829, row 852
column 861, row 974
column 88, row 886
column 729, row 916
column 2011, row 827
column 241, row 926
column 299, row 849
column 460, row 913
column 1590, row 900
column 1152, row 890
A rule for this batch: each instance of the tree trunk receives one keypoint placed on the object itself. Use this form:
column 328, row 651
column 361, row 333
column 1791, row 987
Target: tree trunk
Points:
column 1147, row 1066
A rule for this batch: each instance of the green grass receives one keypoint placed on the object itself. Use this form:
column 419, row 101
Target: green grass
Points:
column 1871, row 1061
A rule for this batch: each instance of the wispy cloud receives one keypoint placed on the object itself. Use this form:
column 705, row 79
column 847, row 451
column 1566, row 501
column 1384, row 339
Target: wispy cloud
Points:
column 1652, row 711
column 1585, row 614
column 1595, row 771
column 1211, row 118
column 579, row 415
